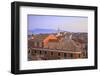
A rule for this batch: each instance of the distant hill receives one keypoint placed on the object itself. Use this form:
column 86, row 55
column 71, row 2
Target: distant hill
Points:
column 42, row 31
column 46, row 31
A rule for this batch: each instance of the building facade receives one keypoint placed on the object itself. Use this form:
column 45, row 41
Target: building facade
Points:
column 51, row 47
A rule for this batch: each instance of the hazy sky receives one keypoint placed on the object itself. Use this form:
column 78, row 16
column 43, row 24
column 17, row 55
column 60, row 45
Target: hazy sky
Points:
column 66, row 23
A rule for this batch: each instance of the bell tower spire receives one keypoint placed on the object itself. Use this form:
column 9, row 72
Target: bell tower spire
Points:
column 58, row 30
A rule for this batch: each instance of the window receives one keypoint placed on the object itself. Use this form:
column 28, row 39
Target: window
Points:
column 34, row 51
column 45, row 52
column 65, row 56
column 58, row 54
column 51, row 53
column 35, row 44
column 75, row 49
column 40, row 52
column 29, row 51
column 42, row 44
column 71, row 55
column 38, row 44
column 79, row 55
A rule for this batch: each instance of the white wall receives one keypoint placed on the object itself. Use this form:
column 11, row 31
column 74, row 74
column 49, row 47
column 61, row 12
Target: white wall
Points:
column 5, row 41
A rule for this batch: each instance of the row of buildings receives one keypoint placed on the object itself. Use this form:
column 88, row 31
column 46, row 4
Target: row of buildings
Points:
column 61, row 45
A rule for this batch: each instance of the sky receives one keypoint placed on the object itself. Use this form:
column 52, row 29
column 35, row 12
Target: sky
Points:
column 66, row 23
